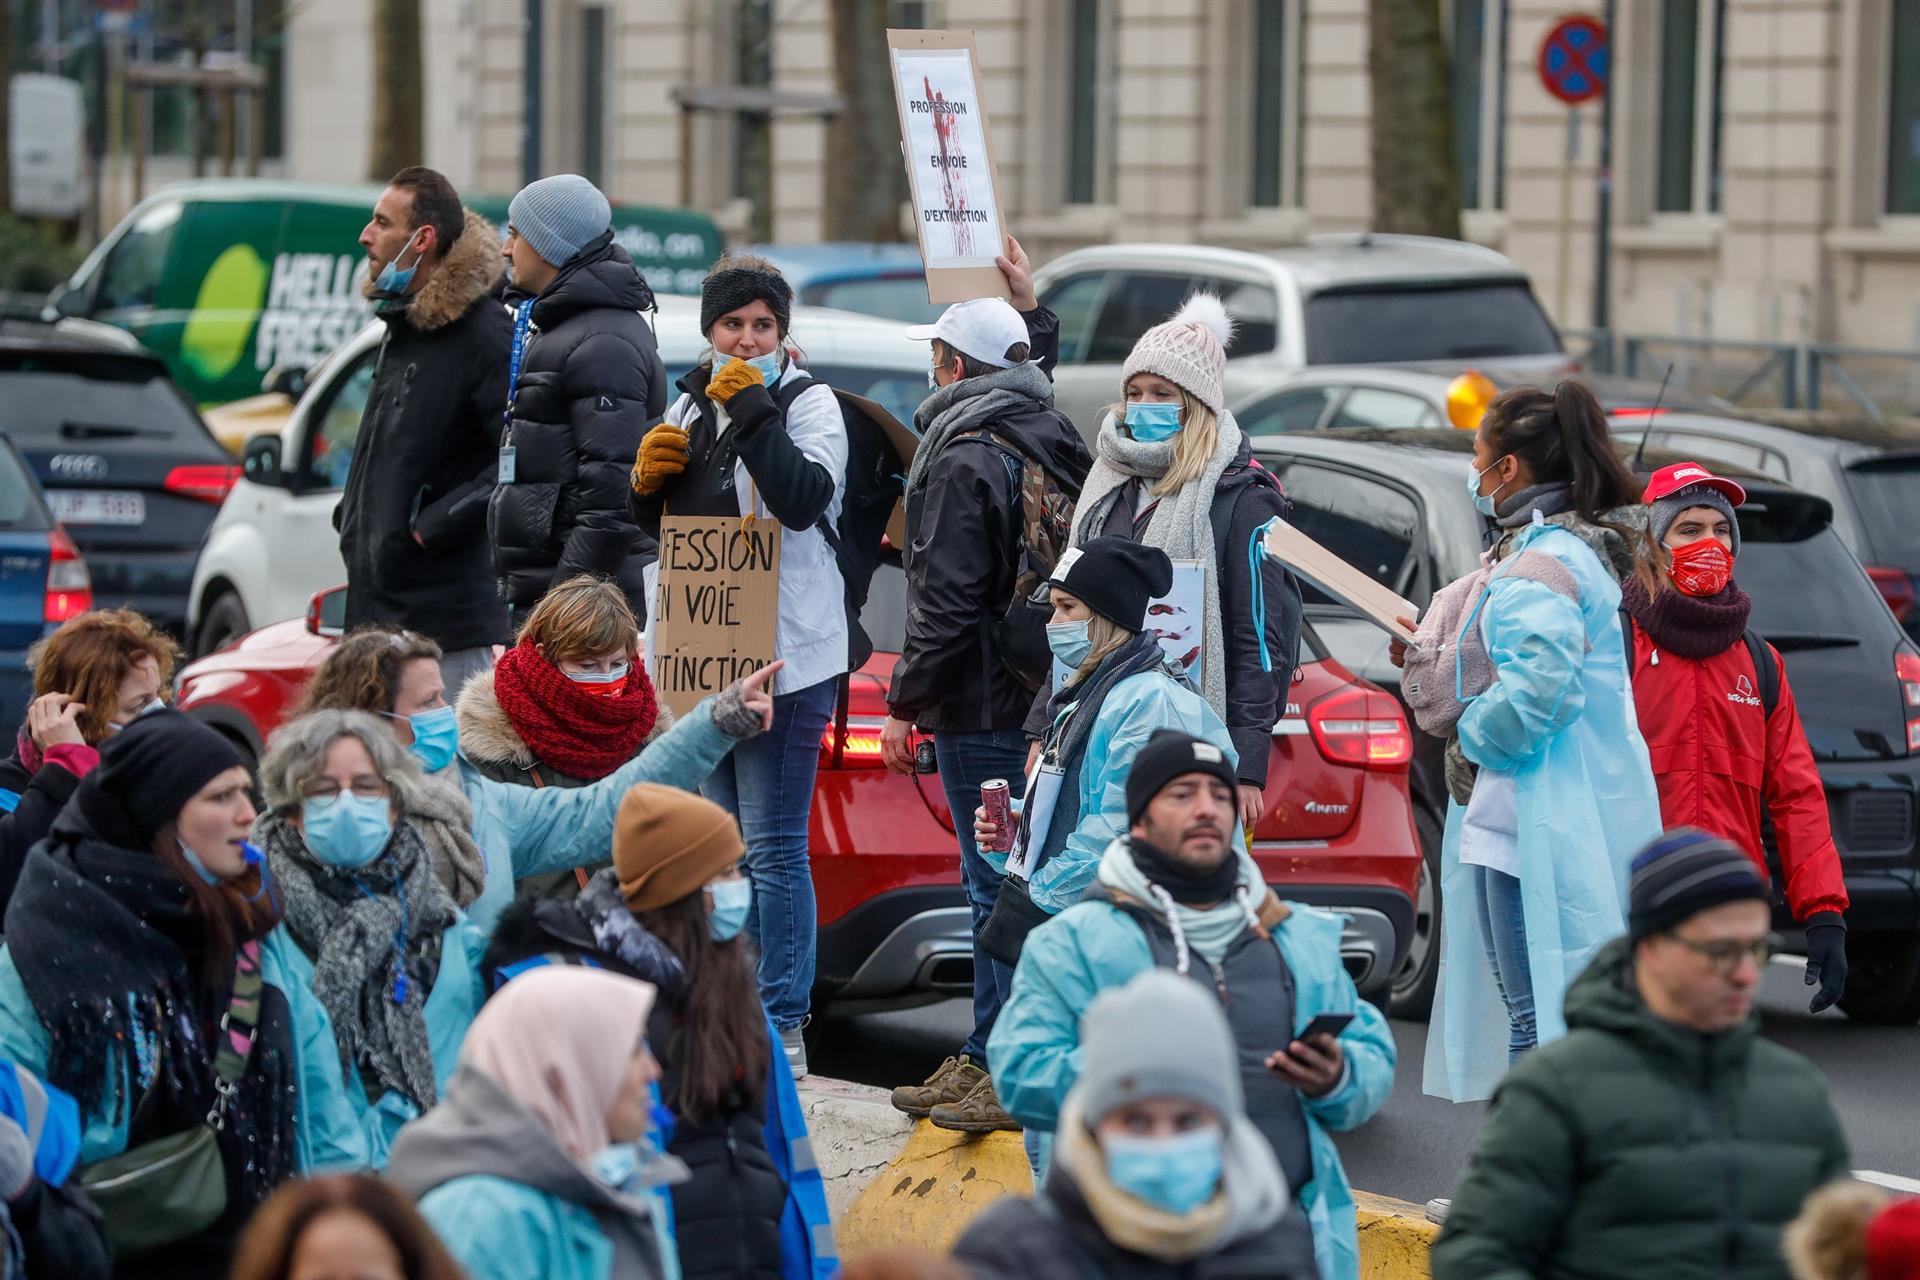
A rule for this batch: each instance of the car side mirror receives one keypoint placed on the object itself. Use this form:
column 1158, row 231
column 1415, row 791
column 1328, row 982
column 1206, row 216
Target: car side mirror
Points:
column 289, row 380
column 327, row 612
column 260, row 462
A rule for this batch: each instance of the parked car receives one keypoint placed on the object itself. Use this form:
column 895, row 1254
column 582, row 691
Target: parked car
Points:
column 126, row 463
column 43, row 579
column 1870, row 472
column 228, row 278
column 273, row 544
column 1337, row 299
column 885, row 280
column 1395, row 504
column 894, row 923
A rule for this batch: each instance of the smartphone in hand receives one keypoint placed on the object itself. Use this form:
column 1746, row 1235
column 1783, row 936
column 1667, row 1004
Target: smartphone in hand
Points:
column 1331, row 1024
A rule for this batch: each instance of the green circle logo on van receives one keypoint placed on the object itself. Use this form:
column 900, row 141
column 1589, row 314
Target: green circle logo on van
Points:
column 215, row 338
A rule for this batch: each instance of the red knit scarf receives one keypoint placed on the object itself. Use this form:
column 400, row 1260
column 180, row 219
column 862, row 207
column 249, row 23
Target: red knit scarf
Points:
column 575, row 731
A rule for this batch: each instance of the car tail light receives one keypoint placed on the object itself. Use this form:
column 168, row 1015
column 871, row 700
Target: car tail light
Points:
column 1363, row 727
column 1637, row 411
column 207, row 483
column 1906, row 669
column 69, row 586
column 860, row 744
column 1896, row 588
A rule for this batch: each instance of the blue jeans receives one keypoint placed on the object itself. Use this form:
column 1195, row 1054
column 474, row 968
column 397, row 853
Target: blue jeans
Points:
column 766, row 783
column 1503, row 931
column 967, row 760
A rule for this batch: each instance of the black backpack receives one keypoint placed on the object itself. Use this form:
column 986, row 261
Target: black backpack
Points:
column 1765, row 669
column 875, row 479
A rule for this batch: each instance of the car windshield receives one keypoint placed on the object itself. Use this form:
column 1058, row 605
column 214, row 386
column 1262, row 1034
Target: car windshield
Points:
column 1886, row 493
column 1447, row 322
column 77, row 397
column 902, row 298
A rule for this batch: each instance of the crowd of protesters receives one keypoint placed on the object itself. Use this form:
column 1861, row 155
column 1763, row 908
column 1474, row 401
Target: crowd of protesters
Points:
column 495, row 968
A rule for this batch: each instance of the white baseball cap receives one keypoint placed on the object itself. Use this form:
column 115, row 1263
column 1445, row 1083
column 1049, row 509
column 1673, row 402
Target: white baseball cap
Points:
column 984, row 329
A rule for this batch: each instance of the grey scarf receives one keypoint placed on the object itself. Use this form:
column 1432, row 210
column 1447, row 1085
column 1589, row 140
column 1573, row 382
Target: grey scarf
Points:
column 972, row 403
column 1181, row 525
column 372, row 933
column 445, row 820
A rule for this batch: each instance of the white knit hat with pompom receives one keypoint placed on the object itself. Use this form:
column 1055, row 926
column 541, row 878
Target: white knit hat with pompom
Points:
column 1190, row 350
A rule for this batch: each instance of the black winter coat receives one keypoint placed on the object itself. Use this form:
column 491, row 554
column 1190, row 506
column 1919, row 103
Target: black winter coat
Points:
column 424, row 459
column 591, row 384
column 41, row 797
column 950, row 677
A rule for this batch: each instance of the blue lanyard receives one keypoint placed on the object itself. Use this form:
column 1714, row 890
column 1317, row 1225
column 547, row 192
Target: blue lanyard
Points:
column 522, row 321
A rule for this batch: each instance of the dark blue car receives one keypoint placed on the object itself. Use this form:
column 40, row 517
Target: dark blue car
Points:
column 43, row 580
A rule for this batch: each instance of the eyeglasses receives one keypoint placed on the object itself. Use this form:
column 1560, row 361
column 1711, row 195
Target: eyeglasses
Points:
column 326, row 790
column 1726, row 956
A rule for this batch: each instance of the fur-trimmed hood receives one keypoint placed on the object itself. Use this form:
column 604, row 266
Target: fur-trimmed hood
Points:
column 472, row 269
column 487, row 736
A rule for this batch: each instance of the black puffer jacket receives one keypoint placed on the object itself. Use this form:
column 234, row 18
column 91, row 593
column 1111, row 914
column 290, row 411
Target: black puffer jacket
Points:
column 38, row 799
column 591, row 384
column 423, row 462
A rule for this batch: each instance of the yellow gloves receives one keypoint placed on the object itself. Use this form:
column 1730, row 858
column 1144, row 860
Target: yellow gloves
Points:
column 732, row 380
column 662, row 456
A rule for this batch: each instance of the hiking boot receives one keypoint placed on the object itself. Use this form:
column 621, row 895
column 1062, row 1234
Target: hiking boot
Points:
column 979, row 1112
column 951, row 1083
column 1437, row 1210
column 794, row 1041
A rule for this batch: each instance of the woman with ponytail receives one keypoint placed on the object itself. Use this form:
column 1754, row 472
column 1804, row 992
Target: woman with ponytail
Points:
column 1558, row 791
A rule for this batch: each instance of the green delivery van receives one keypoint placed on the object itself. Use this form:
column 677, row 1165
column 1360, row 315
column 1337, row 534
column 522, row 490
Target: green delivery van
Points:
column 226, row 279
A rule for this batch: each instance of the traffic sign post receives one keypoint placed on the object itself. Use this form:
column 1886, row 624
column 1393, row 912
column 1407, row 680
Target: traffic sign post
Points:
column 1575, row 60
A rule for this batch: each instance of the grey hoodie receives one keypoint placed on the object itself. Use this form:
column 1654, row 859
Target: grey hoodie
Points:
column 480, row 1129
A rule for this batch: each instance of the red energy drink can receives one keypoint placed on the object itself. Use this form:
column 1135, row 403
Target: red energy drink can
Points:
column 997, row 800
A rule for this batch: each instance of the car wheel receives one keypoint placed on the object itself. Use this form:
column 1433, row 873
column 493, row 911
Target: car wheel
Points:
column 1412, row 991
column 224, row 622
column 1883, row 978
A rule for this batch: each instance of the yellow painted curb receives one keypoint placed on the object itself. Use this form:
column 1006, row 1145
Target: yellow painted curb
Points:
column 927, row 1195
column 929, row 1192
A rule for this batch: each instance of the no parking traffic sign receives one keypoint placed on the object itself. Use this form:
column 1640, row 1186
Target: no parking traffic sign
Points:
column 1574, row 59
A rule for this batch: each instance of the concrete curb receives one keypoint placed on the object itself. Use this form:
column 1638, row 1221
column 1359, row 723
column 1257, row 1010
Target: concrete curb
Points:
column 856, row 1133
column 1394, row 1238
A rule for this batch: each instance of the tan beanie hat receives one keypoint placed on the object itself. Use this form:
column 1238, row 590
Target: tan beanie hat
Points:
column 1190, row 350
column 668, row 843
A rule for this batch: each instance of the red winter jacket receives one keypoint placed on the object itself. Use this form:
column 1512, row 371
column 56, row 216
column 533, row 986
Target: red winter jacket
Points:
column 1717, row 756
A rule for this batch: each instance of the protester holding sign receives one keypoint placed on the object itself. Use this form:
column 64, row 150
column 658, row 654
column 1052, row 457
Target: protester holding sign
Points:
column 1173, row 470
column 753, row 438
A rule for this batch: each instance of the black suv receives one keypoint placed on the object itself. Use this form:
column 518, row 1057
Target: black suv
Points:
column 128, row 466
column 1395, row 504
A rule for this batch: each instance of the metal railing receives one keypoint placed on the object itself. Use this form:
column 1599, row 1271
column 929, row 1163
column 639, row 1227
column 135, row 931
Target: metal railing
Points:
column 1877, row 382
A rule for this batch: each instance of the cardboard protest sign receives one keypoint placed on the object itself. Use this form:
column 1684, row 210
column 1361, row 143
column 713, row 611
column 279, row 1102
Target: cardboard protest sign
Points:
column 1337, row 578
column 716, row 607
column 1178, row 619
column 950, row 171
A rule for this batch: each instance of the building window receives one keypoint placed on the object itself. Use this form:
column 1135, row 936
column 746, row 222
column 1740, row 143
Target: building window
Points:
column 593, row 95
column 1692, row 59
column 1903, row 119
column 1089, row 123
column 753, row 131
column 1276, row 104
column 1479, row 36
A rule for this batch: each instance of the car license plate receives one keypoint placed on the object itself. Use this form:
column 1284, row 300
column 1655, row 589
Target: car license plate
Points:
column 97, row 506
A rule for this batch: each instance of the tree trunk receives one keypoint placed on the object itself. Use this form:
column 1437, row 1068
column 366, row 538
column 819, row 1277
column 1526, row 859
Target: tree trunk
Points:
column 865, row 180
column 1416, row 187
column 399, row 74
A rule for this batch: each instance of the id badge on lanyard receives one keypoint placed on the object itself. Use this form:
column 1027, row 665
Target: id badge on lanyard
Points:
column 522, row 323
column 1043, row 792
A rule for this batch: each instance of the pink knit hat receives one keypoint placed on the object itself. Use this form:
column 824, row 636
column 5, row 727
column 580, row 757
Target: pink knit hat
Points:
column 1190, row 350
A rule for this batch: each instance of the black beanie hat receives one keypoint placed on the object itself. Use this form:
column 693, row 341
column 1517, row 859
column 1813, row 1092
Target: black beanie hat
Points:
column 737, row 282
column 147, row 773
column 1115, row 577
column 1684, row 872
column 1171, row 754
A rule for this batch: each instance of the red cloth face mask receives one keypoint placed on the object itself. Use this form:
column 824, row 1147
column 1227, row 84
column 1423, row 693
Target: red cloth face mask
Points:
column 1702, row 568
column 612, row 689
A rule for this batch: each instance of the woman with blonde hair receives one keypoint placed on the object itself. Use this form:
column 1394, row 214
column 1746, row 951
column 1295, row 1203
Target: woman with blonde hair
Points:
column 1854, row 1231
column 1173, row 470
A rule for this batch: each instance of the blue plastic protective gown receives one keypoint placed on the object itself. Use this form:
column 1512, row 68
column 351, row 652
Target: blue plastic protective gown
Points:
column 1559, row 718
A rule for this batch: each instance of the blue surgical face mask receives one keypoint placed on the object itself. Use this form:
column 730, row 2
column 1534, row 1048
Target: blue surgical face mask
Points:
column 394, row 278
column 612, row 676
column 436, row 736
column 732, row 899
column 768, row 364
column 348, row 831
column 1069, row 642
column 1150, row 422
column 199, row 867
column 1176, row 1175
column 1483, row 502
column 153, row 705
column 618, row 1165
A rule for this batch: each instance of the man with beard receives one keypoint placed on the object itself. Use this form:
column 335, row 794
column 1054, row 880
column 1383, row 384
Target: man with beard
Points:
column 413, row 520
column 1174, row 894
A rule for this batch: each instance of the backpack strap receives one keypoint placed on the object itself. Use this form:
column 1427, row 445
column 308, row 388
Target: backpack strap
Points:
column 233, row 1045
column 1765, row 669
column 1626, row 639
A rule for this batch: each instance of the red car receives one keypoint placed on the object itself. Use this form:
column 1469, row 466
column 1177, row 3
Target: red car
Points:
column 1338, row 831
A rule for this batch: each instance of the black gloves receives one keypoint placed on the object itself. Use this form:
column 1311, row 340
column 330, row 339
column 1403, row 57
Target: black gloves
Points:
column 1826, row 957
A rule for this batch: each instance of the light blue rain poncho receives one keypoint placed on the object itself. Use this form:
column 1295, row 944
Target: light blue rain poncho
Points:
column 1559, row 723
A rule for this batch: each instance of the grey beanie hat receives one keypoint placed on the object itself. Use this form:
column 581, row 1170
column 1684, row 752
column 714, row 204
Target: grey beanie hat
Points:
column 560, row 216
column 1662, row 512
column 1125, row 1036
